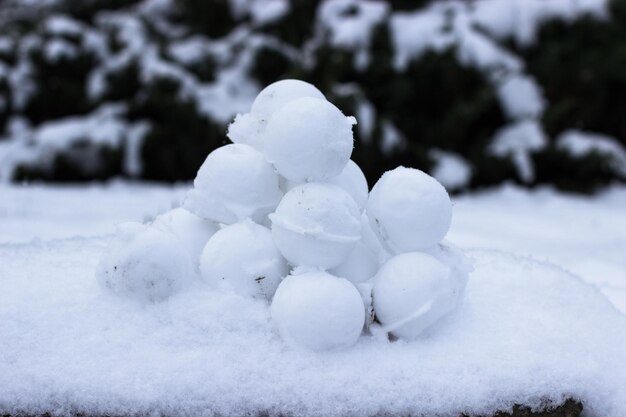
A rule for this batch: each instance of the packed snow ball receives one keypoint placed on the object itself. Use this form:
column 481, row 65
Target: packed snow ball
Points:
column 317, row 225
column 276, row 95
column 308, row 140
column 192, row 231
column 145, row 264
column 234, row 183
column 413, row 291
column 351, row 180
column 247, row 128
column 242, row 257
column 409, row 210
column 318, row 311
column 361, row 264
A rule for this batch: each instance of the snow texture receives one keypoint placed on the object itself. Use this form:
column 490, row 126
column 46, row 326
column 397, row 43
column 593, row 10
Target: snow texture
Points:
column 518, row 141
column 526, row 332
column 579, row 144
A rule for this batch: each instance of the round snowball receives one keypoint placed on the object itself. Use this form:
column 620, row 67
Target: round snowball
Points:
column 360, row 265
column 192, row 231
column 235, row 182
column 308, row 140
column 242, row 257
column 316, row 225
column 144, row 263
column 318, row 311
column 276, row 95
column 351, row 180
column 409, row 210
column 413, row 291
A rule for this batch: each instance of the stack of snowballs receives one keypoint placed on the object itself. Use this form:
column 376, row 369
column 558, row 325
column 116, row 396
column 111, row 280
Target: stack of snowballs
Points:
column 284, row 215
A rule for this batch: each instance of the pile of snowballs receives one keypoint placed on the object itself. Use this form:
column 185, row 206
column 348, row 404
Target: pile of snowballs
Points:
column 284, row 215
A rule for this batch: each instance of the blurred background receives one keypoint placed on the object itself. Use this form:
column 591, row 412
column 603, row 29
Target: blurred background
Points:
column 477, row 93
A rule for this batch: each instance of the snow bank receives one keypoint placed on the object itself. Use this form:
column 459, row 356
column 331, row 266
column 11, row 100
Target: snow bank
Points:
column 526, row 332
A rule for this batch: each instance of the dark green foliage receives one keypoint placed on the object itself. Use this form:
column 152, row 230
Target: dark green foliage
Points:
column 85, row 10
column 61, row 85
column 270, row 64
column 213, row 18
column 435, row 102
column 180, row 137
column 6, row 105
column 586, row 174
column 588, row 93
column 82, row 162
column 296, row 26
column 122, row 83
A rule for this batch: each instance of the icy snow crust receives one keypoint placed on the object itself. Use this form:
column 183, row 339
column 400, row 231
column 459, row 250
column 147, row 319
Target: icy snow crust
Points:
column 525, row 332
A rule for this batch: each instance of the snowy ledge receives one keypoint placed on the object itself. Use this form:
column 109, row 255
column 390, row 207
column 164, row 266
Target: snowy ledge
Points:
column 526, row 333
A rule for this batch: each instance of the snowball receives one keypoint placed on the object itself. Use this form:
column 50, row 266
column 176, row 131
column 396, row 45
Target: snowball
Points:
column 316, row 225
column 144, row 263
column 246, row 129
column 413, row 291
column 274, row 97
column 235, row 182
column 308, row 140
column 351, row 180
column 409, row 210
column 192, row 231
column 360, row 265
column 318, row 311
column 242, row 257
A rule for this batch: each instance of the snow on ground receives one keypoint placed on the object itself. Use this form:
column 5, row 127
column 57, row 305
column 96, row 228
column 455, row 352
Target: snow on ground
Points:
column 587, row 236
column 527, row 331
column 57, row 212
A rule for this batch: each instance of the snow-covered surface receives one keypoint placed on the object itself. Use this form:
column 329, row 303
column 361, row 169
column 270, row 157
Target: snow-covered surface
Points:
column 527, row 331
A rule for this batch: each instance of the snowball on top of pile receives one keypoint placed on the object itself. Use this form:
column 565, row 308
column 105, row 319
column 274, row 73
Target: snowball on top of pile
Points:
column 414, row 290
column 242, row 257
column 144, row 263
column 308, row 140
column 318, row 311
column 192, row 231
column 351, row 179
column 317, row 225
column 409, row 210
column 234, row 182
column 248, row 127
column 276, row 95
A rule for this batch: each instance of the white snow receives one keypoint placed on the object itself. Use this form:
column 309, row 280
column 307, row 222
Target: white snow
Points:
column 521, row 19
column 451, row 169
column 517, row 141
column 349, row 24
column 579, row 144
column 414, row 33
column 526, row 332
column 521, row 97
